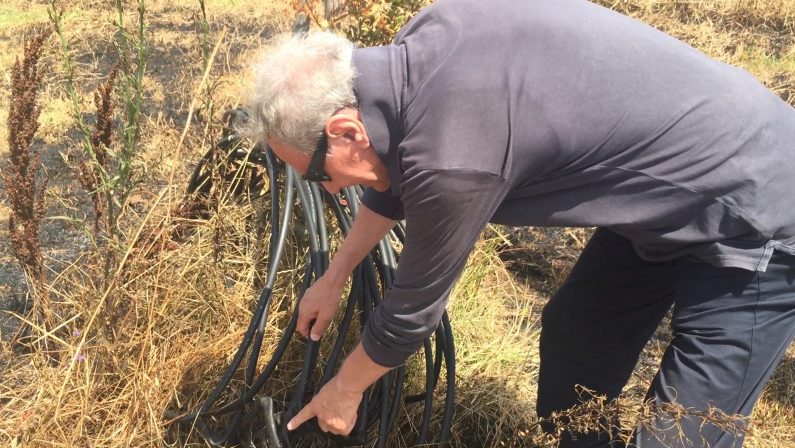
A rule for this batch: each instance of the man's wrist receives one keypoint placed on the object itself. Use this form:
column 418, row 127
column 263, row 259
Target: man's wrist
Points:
column 358, row 372
column 335, row 277
column 346, row 387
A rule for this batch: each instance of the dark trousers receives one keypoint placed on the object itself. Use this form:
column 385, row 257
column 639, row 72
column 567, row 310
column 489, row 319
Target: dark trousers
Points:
column 730, row 327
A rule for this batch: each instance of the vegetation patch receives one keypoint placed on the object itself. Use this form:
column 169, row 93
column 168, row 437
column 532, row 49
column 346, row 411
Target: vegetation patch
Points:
column 19, row 17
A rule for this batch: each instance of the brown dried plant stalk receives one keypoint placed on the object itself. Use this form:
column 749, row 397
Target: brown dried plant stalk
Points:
column 26, row 198
column 91, row 172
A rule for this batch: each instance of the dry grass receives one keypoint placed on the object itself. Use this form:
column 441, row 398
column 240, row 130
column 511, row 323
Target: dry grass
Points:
column 156, row 334
column 154, row 339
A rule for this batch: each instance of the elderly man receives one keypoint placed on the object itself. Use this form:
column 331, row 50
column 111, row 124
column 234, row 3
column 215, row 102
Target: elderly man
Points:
column 537, row 113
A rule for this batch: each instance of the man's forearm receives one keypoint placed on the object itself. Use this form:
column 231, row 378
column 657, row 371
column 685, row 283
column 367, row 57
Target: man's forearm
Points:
column 368, row 228
column 359, row 371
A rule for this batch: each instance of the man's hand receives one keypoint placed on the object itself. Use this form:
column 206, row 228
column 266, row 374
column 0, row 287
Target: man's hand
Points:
column 334, row 408
column 319, row 303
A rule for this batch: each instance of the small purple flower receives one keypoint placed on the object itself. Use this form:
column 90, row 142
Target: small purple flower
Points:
column 81, row 357
column 76, row 333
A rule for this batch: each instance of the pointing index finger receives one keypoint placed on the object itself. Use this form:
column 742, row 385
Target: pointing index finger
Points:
column 303, row 415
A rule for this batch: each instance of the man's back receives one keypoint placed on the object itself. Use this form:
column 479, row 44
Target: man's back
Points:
column 597, row 119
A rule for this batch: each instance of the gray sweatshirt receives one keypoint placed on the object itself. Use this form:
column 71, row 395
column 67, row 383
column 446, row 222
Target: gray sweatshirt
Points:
column 563, row 113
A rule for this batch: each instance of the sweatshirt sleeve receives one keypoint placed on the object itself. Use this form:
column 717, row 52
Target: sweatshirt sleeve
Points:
column 445, row 211
column 384, row 203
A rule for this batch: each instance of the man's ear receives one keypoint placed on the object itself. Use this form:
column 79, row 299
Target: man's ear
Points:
column 348, row 123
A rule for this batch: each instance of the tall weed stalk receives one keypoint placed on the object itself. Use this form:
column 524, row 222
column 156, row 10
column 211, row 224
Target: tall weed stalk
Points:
column 95, row 174
column 25, row 192
column 208, row 101
column 109, row 173
column 132, row 67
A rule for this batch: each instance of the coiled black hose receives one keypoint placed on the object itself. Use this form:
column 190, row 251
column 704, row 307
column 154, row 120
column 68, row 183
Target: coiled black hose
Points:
column 380, row 404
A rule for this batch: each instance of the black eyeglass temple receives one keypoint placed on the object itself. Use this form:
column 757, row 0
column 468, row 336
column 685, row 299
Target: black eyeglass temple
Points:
column 315, row 171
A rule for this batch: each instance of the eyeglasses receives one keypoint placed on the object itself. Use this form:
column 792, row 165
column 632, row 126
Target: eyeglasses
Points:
column 315, row 172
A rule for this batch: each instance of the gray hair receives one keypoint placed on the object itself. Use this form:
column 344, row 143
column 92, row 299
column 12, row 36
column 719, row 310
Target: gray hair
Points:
column 300, row 82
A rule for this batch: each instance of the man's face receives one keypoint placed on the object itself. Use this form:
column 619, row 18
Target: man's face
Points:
column 300, row 162
column 350, row 159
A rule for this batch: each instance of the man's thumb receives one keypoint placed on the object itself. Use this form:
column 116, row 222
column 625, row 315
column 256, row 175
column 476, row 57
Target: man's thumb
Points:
column 318, row 327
